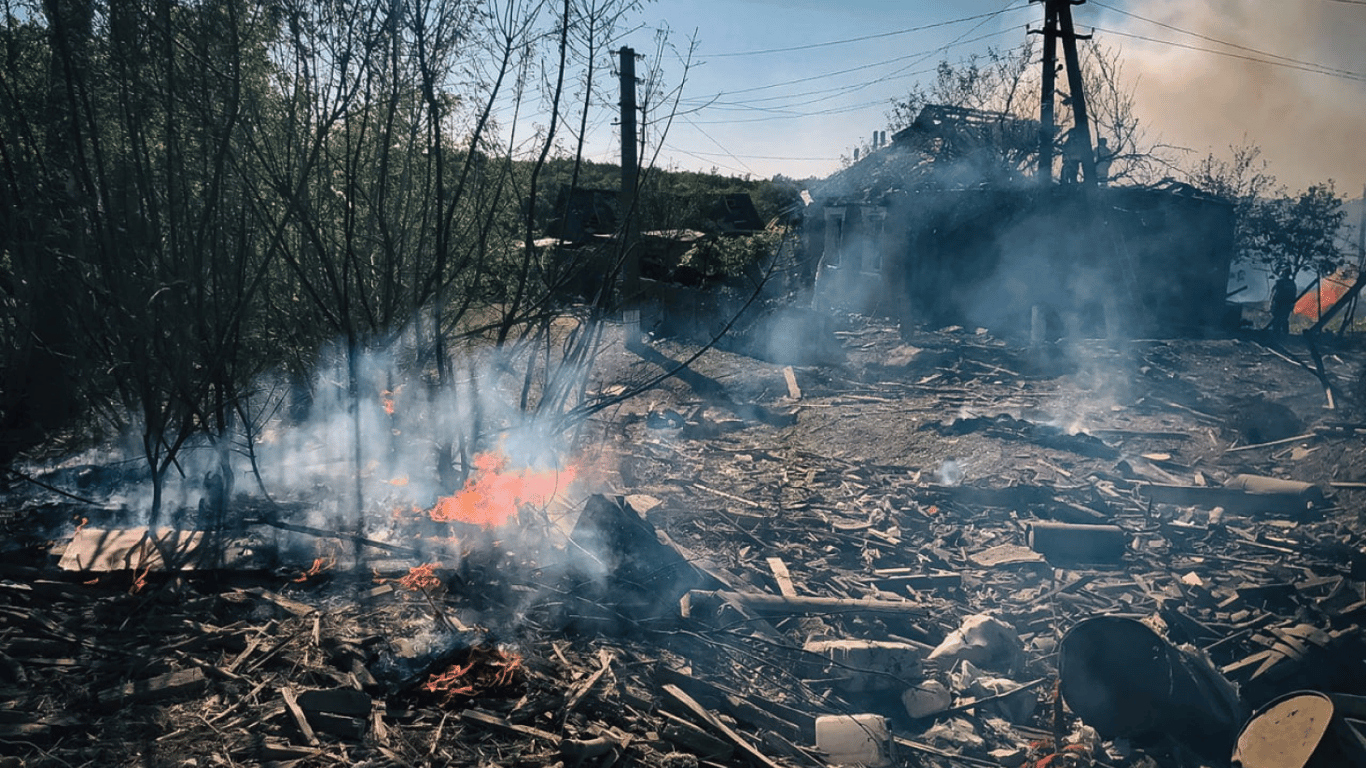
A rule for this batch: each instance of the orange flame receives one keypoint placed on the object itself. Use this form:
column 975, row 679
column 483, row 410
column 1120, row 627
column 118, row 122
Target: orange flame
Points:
column 487, row 669
column 84, row 522
column 386, row 399
column 1329, row 291
column 421, row 578
column 320, row 564
column 140, row 577
column 491, row 497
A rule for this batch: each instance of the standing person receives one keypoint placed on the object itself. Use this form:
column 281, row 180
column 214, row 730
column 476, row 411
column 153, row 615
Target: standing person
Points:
column 1072, row 150
column 1104, row 157
column 1282, row 302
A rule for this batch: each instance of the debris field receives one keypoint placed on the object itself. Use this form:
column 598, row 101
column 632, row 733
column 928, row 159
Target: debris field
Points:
column 945, row 550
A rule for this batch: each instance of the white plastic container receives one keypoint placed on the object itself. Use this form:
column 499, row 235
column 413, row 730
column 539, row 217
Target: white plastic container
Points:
column 854, row 739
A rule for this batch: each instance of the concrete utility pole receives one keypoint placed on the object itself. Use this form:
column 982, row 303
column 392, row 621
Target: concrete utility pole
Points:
column 1058, row 26
column 630, row 175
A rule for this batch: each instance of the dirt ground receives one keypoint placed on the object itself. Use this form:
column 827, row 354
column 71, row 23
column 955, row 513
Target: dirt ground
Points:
column 893, row 479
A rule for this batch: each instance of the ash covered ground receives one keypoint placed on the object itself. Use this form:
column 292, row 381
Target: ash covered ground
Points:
column 899, row 485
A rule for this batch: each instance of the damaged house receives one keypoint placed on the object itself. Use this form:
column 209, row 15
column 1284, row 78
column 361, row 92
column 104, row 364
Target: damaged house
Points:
column 934, row 228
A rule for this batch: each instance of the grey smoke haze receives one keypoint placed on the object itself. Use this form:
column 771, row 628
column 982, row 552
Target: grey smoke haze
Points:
column 1310, row 126
column 308, row 460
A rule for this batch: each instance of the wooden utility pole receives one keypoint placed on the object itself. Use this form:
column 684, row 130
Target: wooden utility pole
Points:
column 1047, row 128
column 630, row 176
column 1058, row 26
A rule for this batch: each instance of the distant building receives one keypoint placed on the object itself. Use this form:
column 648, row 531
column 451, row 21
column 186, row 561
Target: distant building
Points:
column 968, row 239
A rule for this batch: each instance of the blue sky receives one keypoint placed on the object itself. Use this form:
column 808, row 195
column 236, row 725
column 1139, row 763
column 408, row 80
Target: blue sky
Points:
column 750, row 108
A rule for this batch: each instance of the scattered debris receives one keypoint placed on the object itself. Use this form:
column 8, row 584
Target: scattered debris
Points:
column 840, row 585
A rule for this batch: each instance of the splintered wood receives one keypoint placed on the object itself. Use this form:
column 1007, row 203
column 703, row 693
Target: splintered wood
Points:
column 871, row 543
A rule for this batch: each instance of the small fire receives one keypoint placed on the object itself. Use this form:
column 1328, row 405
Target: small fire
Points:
column 487, row 669
column 84, row 521
column 1329, row 291
column 492, row 496
column 140, row 576
column 320, row 564
column 421, row 578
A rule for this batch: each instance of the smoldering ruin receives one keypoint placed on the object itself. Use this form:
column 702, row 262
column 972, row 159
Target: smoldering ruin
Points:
column 967, row 468
column 951, row 549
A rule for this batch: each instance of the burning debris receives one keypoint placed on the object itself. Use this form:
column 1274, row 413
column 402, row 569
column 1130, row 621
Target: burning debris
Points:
column 1140, row 587
column 492, row 496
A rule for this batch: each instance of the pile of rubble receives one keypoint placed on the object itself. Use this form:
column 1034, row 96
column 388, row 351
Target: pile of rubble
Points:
column 952, row 553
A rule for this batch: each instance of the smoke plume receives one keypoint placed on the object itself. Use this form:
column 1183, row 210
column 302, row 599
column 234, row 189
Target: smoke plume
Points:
column 1310, row 126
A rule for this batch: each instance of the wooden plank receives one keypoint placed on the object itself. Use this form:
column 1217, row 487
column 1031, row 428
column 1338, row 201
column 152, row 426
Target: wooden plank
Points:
column 724, row 495
column 782, row 576
column 759, row 758
column 300, row 719
column 793, row 391
column 1273, row 443
column 497, row 723
column 98, row 550
column 161, row 687
column 694, row 739
column 765, row 603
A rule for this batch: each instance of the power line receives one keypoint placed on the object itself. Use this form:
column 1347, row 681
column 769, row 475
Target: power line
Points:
column 719, row 145
column 1316, row 69
column 1315, row 65
column 847, row 89
column 863, row 38
column 695, row 153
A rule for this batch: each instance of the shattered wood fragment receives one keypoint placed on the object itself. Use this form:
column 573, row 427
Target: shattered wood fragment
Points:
column 793, row 391
column 494, row 722
column 186, row 682
column 582, row 688
column 693, row 739
column 338, row 725
column 778, row 604
column 326, row 534
column 895, row 579
column 280, row 601
column 744, row 745
column 781, row 575
column 745, row 710
column 277, row 752
column 297, row 713
column 731, row 496
column 576, row 750
column 916, row 746
column 781, row 745
column 758, row 711
column 341, row 701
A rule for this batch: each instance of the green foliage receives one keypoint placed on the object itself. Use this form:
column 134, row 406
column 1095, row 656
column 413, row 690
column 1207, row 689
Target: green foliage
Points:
column 732, row 258
column 1298, row 232
column 1273, row 228
column 194, row 193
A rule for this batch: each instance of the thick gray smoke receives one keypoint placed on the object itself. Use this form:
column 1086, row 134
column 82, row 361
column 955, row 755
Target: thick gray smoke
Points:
column 380, row 464
column 1311, row 126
